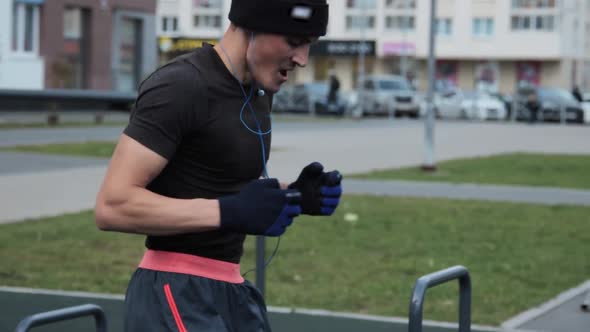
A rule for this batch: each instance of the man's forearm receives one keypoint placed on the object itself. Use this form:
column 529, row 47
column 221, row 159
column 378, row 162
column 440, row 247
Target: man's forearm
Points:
column 138, row 210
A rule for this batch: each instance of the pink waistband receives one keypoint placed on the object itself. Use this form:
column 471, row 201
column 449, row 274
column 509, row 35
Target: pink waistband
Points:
column 194, row 265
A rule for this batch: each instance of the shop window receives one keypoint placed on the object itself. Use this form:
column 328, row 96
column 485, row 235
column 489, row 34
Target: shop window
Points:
column 446, row 75
column 528, row 73
column 322, row 67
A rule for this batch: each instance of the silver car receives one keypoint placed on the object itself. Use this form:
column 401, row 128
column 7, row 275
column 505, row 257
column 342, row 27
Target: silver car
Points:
column 389, row 94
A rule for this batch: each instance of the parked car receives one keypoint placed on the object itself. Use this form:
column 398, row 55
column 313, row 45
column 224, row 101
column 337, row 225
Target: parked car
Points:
column 459, row 104
column 313, row 97
column 507, row 100
column 482, row 106
column 388, row 94
column 552, row 102
column 281, row 101
column 586, row 106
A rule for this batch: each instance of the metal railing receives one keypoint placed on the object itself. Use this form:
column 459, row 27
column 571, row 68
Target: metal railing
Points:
column 55, row 101
column 437, row 278
column 53, row 316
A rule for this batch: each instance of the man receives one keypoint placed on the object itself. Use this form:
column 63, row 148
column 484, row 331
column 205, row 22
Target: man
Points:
column 187, row 171
column 532, row 104
column 333, row 89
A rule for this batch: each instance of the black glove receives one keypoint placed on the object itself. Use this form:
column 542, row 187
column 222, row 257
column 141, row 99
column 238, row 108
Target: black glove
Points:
column 320, row 191
column 260, row 208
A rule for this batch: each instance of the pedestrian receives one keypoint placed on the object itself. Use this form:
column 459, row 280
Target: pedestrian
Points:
column 189, row 172
column 334, row 88
column 532, row 105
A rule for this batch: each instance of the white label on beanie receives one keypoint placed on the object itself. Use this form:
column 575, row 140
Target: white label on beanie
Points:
column 301, row 12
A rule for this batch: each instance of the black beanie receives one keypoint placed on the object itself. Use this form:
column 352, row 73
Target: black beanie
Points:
column 284, row 17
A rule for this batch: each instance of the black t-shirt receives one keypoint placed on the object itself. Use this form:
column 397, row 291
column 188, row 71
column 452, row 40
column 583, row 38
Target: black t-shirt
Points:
column 188, row 111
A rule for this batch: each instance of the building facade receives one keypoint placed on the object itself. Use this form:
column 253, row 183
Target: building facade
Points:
column 79, row 44
column 21, row 66
column 104, row 45
column 480, row 44
column 499, row 44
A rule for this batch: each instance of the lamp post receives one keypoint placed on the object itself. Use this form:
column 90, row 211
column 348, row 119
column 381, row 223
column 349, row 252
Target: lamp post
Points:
column 361, row 50
column 429, row 163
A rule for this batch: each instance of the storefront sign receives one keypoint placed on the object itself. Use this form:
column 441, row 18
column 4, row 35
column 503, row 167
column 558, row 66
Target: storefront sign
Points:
column 342, row 48
column 169, row 44
column 398, row 48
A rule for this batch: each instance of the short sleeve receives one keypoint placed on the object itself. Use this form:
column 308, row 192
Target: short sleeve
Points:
column 170, row 104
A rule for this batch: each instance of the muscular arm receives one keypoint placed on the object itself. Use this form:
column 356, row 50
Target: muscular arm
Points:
column 124, row 204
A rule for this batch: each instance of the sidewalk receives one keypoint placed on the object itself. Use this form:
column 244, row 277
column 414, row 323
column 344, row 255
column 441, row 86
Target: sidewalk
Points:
column 58, row 191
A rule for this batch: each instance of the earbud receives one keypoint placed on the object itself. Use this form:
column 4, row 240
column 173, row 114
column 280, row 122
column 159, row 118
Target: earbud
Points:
column 261, row 92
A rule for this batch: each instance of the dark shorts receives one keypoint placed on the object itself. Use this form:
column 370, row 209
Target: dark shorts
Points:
column 160, row 300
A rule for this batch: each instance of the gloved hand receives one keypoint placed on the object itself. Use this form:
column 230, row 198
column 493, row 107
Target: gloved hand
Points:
column 320, row 191
column 260, row 208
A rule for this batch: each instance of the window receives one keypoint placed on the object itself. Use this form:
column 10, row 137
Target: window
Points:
column 545, row 23
column 207, row 21
column 361, row 4
column 25, row 28
column 354, row 22
column 400, row 4
column 169, row 24
column 533, row 3
column 207, row 4
column 72, row 23
column 444, row 26
column 399, row 22
column 483, row 27
column 530, row 22
column 72, row 71
column 207, row 14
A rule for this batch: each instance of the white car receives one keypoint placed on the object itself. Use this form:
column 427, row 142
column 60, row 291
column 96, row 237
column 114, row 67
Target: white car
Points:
column 388, row 94
column 482, row 106
column 467, row 105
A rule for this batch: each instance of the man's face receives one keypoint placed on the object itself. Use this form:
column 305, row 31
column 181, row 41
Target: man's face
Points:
column 271, row 57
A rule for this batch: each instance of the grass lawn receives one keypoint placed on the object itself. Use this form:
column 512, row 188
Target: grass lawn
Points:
column 519, row 255
column 99, row 149
column 568, row 171
column 277, row 117
column 43, row 125
column 88, row 149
